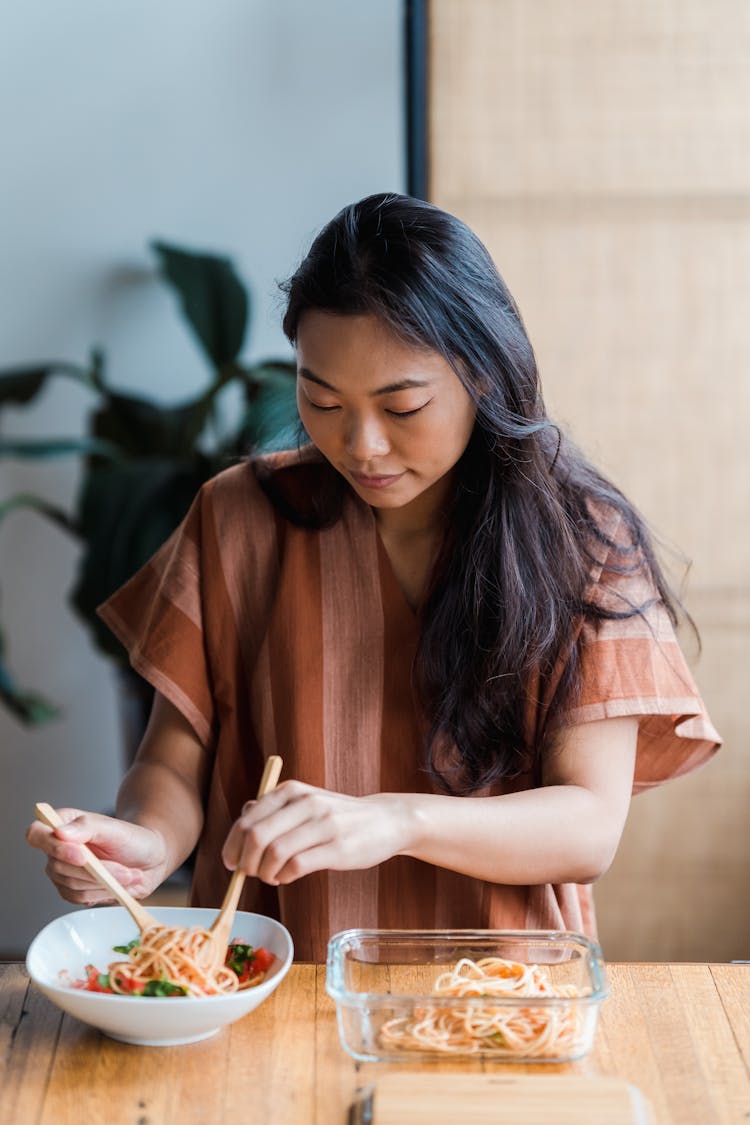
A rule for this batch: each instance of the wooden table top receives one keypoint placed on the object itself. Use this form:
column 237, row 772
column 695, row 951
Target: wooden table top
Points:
column 679, row 1032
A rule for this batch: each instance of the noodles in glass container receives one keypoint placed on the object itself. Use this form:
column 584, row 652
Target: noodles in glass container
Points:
column 504, row 1030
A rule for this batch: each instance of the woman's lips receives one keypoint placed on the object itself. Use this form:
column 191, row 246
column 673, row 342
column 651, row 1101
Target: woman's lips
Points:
column 376, row 482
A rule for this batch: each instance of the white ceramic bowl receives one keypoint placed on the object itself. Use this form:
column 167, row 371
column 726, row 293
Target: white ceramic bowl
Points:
column 87, row 936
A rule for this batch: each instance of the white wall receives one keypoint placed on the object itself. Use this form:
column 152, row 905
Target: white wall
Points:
column 231, row 125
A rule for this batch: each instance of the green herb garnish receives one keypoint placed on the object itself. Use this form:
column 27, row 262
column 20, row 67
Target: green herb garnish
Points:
column 163, row 988
column 238, row 955
column 126, row 948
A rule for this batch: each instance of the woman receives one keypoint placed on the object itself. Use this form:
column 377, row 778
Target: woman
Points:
column 450, row 626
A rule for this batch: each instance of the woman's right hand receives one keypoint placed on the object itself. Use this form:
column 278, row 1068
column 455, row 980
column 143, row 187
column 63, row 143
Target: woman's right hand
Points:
column 135, row 855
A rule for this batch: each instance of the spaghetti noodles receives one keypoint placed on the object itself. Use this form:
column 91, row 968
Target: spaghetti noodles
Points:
column 176, row 961
column 504, row 1030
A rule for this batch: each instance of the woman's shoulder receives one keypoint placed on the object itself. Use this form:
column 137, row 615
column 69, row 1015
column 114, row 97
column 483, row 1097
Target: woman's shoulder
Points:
column 301, row 486
column 304, row 464
column 621, row 577
column 254, row 474
column 613, row 535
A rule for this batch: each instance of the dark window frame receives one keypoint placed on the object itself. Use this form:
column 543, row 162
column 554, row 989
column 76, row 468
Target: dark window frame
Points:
column 416, row 91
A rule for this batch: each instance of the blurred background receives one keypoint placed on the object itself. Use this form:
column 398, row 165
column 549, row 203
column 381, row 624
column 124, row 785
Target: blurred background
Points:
column 236, row 127
column 600, row 148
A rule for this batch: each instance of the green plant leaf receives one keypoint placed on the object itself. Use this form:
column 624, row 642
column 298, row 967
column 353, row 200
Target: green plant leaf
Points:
column 140, row 428
column 19, row 385
column 45, row 448
column 144, row 462
column 213, row 299
column 270, row 420
column 25, row 500
column 27, row 706
column 127, row 511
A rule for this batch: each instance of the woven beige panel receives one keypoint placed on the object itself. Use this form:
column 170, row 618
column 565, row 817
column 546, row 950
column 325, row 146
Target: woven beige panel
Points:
column 678, row 889
column 638, row 319
column 602, row 151
column 623, row 97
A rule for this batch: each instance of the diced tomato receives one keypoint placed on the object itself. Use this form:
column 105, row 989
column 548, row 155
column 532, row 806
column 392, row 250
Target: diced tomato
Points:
column 128, row 985
column 248, row 972
column 262, row 961
column 255, row 965
column 93, row 981
column 246, row 961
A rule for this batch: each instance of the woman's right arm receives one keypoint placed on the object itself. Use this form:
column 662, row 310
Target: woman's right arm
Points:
column 159, row 816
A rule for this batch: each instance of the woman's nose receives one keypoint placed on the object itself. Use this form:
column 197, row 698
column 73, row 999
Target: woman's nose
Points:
column 365, row 439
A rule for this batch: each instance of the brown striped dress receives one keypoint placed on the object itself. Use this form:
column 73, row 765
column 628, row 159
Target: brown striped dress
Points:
column 272, row 638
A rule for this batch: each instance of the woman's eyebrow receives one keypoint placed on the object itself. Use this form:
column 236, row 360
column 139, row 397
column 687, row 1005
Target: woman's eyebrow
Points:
column 401, row 385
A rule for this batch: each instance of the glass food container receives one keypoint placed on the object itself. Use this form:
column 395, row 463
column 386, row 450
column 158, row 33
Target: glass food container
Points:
column 384, row 985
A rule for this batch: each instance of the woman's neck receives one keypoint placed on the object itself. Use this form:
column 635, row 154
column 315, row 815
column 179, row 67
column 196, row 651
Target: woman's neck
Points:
column 423, row 518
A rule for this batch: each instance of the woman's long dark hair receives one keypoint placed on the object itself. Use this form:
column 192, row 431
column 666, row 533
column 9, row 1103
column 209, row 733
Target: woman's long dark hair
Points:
column 510, row 588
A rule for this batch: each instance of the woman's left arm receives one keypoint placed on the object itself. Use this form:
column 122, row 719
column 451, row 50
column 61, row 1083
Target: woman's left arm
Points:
column 566, row 831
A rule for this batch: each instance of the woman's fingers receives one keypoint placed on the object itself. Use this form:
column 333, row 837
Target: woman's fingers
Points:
column 317, row 829
column 44, row 838
column 253, row 812
column 75, row 875
column 276, row 838
column 119, row 841
column 257, row 828
column 90, row 896
column 322, row 857
column 134, row 854
column 75, row 885
column 71, row 854
column 65, row 841
column 287, row 851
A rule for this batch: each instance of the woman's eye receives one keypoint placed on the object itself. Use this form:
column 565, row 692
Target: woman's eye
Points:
column 407, row 413
column 317, row 406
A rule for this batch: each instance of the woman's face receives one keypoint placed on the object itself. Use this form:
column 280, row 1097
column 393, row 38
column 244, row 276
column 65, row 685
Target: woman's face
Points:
column 393, row 419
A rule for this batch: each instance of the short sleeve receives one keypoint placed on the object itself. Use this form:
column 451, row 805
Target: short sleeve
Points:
column 158, row 615
column 635, row 666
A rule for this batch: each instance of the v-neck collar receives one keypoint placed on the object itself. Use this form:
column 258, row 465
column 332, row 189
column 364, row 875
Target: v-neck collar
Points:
column 391, row 586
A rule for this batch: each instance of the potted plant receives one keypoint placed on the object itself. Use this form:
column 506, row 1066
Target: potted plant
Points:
column 144, row 462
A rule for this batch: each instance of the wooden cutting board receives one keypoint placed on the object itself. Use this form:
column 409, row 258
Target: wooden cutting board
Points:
column 496, row 1099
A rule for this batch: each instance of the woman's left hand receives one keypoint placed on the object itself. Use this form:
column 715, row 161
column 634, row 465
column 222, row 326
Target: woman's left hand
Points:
column 299, row 828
